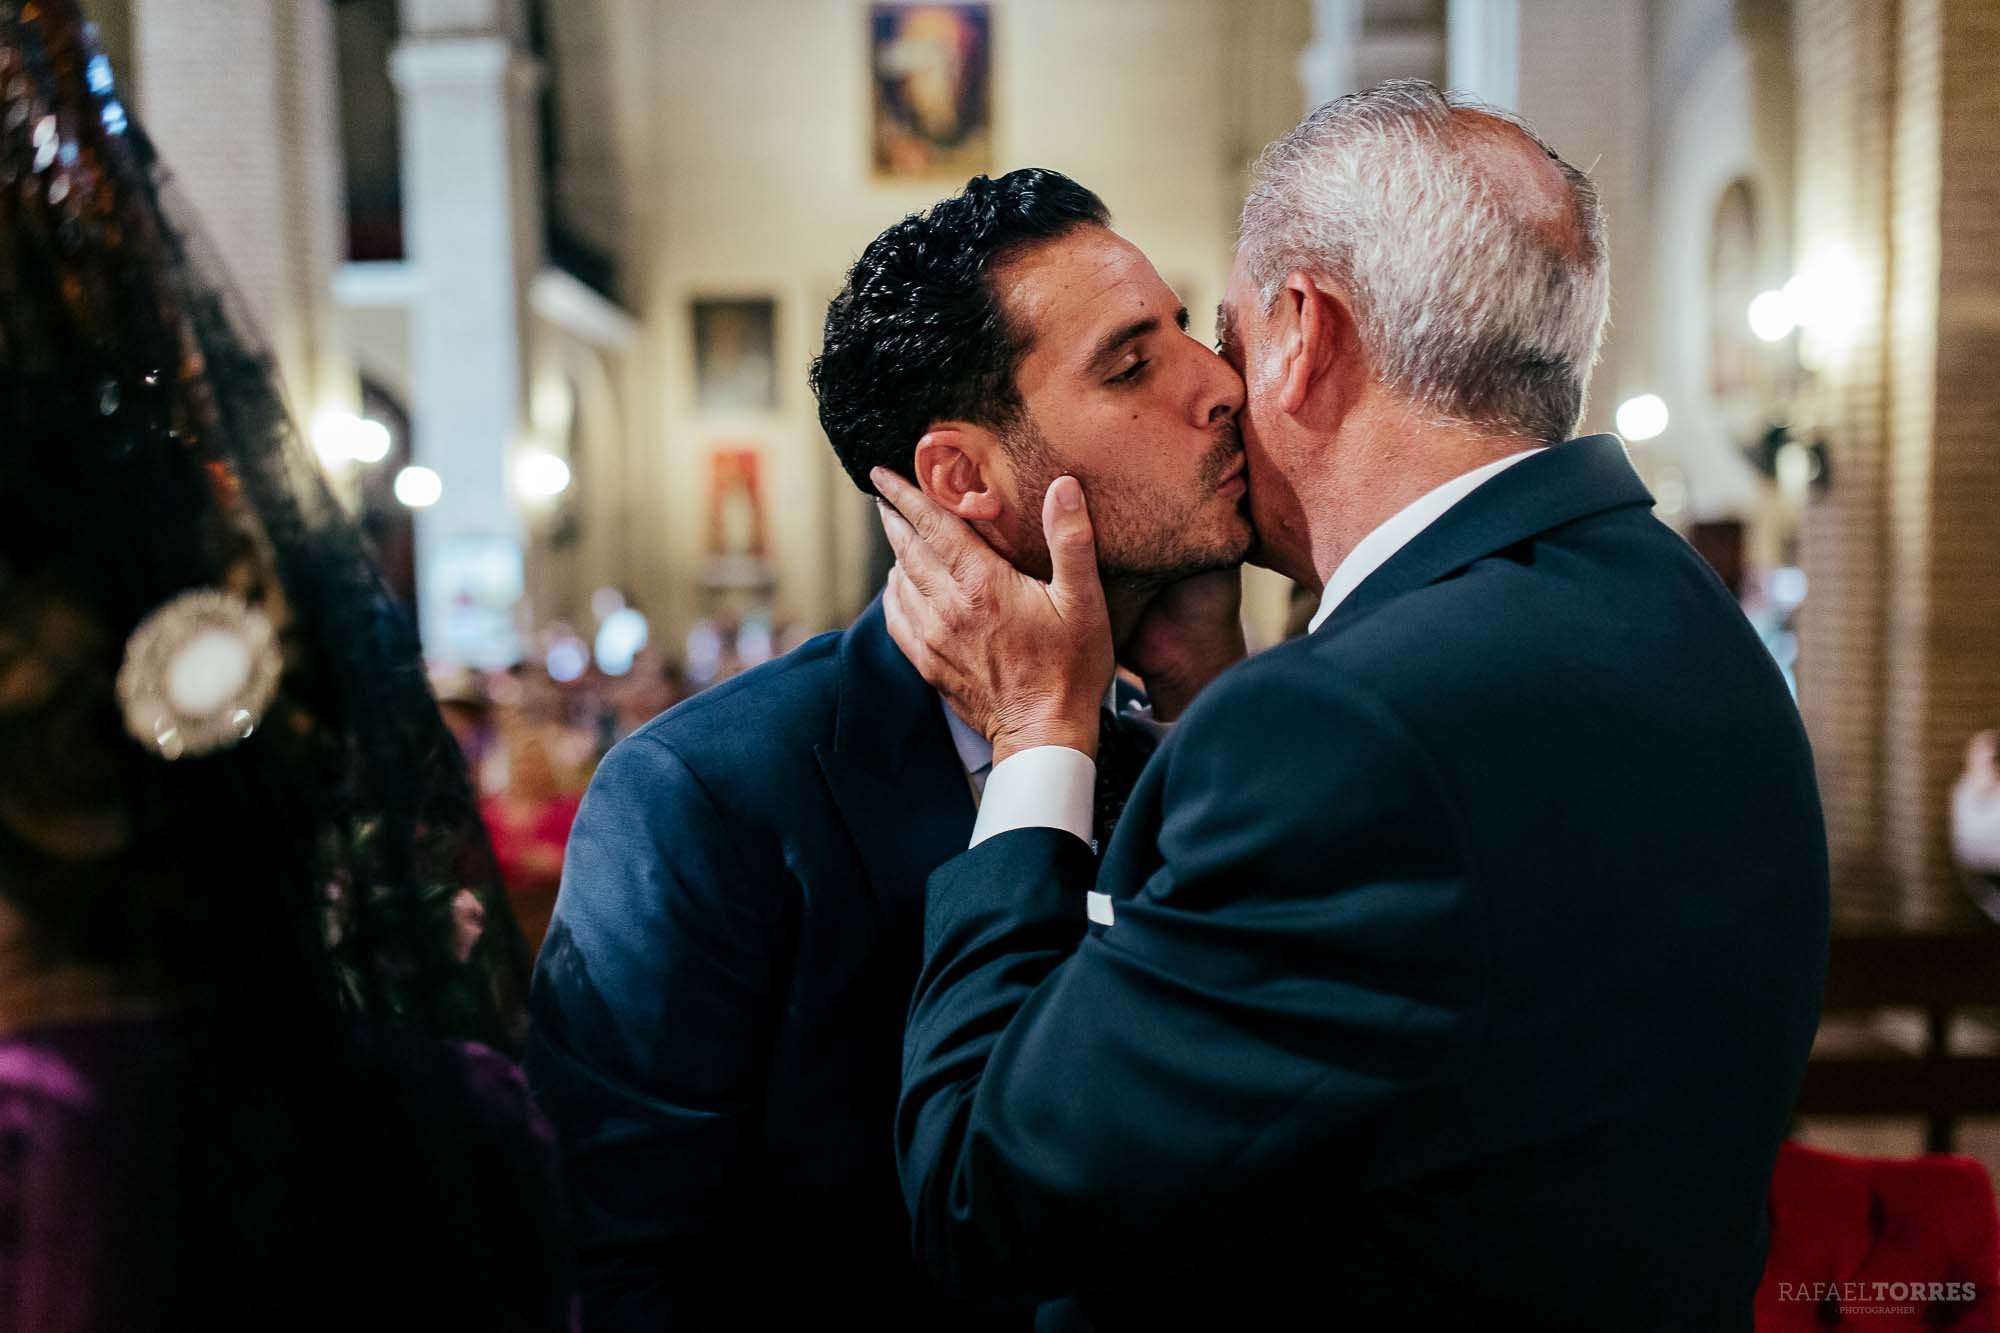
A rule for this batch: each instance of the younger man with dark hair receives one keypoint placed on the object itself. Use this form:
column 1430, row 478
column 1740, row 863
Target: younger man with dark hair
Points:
column 720, row 1001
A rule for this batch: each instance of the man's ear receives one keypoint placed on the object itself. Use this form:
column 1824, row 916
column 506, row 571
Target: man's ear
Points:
column 957, row 467
column 1318, row 332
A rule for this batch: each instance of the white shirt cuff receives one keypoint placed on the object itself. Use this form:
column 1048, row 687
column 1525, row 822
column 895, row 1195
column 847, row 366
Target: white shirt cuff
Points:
column 1048, row 786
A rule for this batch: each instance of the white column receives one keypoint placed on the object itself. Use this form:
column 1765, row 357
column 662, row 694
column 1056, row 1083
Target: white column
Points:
column 472, row 232
column 1483, row 50
column 1327, row 66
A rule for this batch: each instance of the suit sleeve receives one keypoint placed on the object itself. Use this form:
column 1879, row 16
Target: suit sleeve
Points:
column 653, row 1003
column 1287, row 996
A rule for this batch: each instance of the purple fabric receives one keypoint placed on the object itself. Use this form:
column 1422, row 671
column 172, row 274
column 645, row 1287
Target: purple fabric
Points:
column 90, row 1115
column 62, row 1144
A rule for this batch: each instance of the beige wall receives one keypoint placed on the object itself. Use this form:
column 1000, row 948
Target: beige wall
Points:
column 760, row 183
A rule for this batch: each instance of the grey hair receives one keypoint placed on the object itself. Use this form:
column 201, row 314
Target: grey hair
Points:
column 1474, row 310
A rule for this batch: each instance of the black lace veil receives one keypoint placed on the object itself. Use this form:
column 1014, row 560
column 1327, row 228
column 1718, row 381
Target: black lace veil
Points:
column 313, row 904
column 331, row 866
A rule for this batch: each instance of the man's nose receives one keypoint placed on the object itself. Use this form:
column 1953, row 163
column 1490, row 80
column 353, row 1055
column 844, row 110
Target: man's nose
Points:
column 1227, row 391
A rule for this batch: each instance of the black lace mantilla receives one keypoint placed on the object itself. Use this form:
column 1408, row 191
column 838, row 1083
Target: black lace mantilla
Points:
column 145, row 449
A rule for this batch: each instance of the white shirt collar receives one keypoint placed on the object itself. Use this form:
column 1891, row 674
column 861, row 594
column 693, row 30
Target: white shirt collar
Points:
column 1400, row 530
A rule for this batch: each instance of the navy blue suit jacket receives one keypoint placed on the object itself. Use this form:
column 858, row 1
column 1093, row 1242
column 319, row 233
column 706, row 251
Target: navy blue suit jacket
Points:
column 1465, row 958
column 719, row 1004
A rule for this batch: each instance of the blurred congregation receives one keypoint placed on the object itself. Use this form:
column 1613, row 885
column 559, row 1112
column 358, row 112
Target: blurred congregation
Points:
column 533, row 292
column 533, row 737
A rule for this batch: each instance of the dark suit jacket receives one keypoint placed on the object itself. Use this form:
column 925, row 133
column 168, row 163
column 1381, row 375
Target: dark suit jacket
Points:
column 719, row 1005
column 1465, row 959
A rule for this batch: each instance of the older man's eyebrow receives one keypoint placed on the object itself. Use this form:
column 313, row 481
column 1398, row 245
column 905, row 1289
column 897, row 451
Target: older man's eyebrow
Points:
column 1221, row 322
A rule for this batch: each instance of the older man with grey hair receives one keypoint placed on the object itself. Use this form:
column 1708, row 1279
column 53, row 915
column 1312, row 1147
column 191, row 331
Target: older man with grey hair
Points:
column 1452, row 966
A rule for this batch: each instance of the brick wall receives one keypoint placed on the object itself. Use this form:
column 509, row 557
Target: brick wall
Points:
column 1964, row 627
column 1914, row 858
column 1844, row 109
column 1901, row 633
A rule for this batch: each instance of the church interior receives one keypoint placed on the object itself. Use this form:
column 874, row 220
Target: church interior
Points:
column 542, row 281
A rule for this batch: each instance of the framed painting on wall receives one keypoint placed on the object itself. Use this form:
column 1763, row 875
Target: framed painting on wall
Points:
column 735, row 503
column 735, row 355
column 931, row 90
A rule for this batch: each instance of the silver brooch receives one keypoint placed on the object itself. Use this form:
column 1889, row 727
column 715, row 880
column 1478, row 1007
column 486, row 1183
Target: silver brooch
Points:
column 198, row 674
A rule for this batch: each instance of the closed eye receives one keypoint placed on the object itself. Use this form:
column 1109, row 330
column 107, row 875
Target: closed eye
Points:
column 1131, row 374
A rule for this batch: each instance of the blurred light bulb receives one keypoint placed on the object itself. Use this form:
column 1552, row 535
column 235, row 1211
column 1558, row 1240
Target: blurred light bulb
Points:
column 567, row 658
column 1827, row 297
column 419, row 487
column 619, row 639
column 341, row 438
column 331, row 440
column 370, row 442
column 1642, row 418
column 1771, row 316
column 1788, row 587
column 540, row 475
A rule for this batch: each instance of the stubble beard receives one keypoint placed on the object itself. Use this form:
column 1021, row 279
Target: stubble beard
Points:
column 1145, row 539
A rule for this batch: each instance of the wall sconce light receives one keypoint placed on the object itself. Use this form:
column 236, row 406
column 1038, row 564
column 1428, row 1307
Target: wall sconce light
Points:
column 1797, row 465
column 1822, row 304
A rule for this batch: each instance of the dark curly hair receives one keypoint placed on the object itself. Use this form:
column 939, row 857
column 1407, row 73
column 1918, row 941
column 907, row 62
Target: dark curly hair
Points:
column 918, row 334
